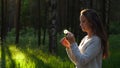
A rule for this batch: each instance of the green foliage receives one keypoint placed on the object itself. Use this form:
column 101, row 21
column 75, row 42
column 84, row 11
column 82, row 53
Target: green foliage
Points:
column 113, row 60
column 10, row 38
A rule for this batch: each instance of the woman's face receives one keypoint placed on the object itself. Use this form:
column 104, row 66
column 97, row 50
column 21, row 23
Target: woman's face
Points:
column 84, row 24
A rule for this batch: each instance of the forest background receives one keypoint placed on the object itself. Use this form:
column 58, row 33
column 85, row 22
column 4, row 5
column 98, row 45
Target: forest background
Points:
column 30, row 31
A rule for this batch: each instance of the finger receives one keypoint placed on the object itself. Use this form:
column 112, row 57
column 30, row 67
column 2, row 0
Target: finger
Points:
column 70, row 35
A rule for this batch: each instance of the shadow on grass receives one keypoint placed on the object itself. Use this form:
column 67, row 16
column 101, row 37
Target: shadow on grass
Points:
column 3, row 54
column 30, row 56
column 6, row 52
column 12, row 65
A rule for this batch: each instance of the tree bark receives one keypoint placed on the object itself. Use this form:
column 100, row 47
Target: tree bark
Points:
column 17, row 21
column 52, row 27
column 39, row 23
column 46, row 21
column 11, row 14
column 4, row 20
column 107, row 15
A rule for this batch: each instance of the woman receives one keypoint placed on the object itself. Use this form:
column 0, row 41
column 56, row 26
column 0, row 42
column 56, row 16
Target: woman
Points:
column 93, row 47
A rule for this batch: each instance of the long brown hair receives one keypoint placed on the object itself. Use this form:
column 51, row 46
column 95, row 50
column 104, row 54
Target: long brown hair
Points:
column 98, row 28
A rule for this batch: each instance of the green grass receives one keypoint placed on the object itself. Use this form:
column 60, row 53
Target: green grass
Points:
column 113, row 61
column 16, row 57
column 28, row 54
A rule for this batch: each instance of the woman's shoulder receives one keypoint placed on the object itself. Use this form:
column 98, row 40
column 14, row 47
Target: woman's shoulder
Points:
column 95, row 38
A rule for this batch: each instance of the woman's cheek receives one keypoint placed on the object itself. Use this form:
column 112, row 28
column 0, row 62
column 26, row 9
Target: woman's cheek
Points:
column 82, row 27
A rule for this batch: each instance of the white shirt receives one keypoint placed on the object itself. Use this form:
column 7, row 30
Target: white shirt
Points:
column 88, row 54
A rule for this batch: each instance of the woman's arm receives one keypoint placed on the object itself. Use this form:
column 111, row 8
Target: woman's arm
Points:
column 70, row 55
column 94, row 47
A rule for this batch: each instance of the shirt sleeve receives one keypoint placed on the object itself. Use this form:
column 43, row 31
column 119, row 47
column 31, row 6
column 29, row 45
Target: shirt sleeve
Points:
column 70, row 55
column 91, row 51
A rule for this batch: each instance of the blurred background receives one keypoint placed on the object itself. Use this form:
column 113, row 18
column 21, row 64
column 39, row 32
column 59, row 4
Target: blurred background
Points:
column 30, row 31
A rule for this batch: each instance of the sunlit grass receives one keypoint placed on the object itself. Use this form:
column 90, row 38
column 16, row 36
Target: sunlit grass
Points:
column 16, row 53
column 29, row 58
column 50, row 60
column 18, row 57
column 14, row 58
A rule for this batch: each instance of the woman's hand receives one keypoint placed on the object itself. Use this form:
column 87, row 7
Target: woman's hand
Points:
column 65, row 42
column 70, row 37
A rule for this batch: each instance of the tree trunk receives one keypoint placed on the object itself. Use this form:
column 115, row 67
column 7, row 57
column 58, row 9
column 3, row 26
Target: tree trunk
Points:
column 52, row 27
column 4, row 20
column 39, row 23
column 46, row 21
column 17, row 21
column 11, row 14
column 77, row 32
column 107, row 14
